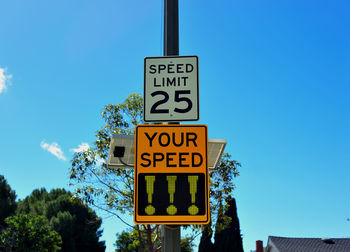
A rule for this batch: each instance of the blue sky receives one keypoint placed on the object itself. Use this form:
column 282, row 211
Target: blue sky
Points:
column 274, row 82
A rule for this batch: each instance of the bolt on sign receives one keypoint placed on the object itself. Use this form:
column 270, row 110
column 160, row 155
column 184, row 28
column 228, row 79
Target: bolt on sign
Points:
column 171, row 89
column 171, row 174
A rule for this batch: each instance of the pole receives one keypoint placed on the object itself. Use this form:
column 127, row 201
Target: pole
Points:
column 171, row 238
column 171, row 27
column 171, row 233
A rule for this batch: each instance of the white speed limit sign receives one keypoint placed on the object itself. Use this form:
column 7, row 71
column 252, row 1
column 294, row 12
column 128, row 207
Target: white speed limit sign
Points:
column 171, row 89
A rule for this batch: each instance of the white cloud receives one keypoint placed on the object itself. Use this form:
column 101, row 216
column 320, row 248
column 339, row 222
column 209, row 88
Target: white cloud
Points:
column 81, row 147
column 54, row 149
column 84, row 147
column 4, row 79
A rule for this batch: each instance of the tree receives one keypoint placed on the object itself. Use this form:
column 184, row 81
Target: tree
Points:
column 221, row 189
column 186, row 244
column 206, row 245
column 7, row 201
column 227, row 236
column 77, row 224
column 129, row 242
column 111, row 189
column 222, row 185
column 25, row 233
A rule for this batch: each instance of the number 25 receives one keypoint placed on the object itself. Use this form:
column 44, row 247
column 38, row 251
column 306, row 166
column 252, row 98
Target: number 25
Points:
column 165, row 99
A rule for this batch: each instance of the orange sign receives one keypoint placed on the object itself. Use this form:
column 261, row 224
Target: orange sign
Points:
column 171, row 174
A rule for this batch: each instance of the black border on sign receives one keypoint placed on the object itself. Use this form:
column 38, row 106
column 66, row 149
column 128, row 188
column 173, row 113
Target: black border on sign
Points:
column 206, row 179
column 144, row 89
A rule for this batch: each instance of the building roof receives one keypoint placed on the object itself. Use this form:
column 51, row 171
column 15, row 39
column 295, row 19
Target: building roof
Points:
column 283, row 244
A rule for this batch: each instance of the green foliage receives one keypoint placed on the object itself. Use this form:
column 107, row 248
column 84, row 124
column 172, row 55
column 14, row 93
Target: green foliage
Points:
column 206, row 245
column 25, row 233
column 109, row 189
column 221, row 189
column 7, row 201
column 186, row 244
column 222, row 185
column 228, row 236
column 227, row 231
column 77, row 224
column 143, row 238
column 64, row 225
column 127, row 242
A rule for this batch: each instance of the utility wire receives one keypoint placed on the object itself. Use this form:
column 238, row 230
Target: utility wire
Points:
column 121, row 161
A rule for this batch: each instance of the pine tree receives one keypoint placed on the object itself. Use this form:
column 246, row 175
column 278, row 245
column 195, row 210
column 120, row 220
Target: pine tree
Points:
column 75, row 222
column 206, row 245
column 8, row 202
column 227, row 232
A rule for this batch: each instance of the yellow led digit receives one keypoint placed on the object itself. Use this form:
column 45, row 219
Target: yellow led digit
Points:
column 150, row 189
column 171, row 189
column 193, row 210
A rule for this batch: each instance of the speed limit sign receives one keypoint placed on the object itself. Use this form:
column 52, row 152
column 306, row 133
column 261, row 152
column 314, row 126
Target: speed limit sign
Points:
column 171, row 89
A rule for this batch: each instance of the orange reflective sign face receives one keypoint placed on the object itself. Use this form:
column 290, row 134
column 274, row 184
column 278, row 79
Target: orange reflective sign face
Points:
column 171, row 174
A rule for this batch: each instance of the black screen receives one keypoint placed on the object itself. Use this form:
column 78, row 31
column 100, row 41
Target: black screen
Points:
column 183, row 202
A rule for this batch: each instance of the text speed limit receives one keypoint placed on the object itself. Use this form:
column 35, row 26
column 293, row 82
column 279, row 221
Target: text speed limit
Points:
column 171, row 89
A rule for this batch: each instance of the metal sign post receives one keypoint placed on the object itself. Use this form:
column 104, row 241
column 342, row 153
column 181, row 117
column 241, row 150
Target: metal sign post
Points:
column 171, row 236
